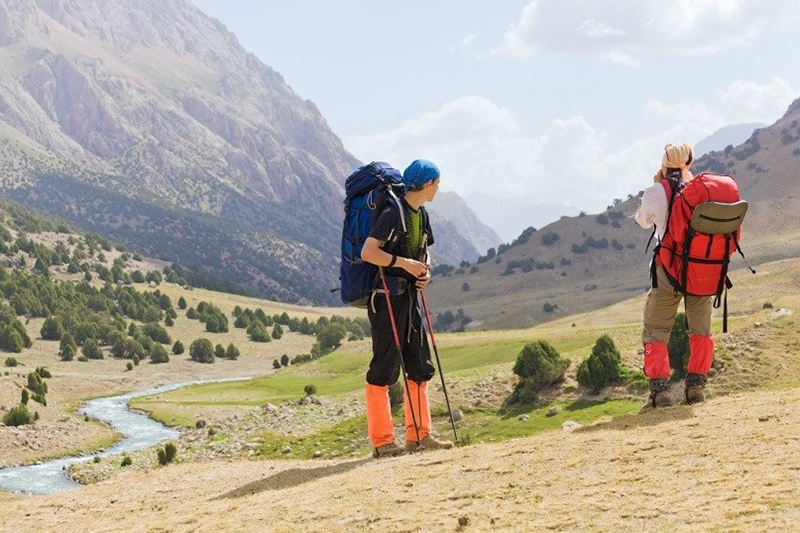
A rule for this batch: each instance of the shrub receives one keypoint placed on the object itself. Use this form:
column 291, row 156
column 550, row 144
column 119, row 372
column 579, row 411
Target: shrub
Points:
column 330, row 336
column 159, row 354
column 11, row 362
column 25, row 397
column 18, row 416
column 167, row 454
column 52, row 329
column 202, row 351
column 678, row 347
column 219, row 351
column 396, row 395
column 178, row 348
column 767, row 305
column 285, row 360
column 310, row 390
column 602, row 367
column 129, row 366
column 126, row 461
column 277, row 332
column 465, row 287
column 232, row 352
column 549, row 239
column 549, row 308
column 276, row 364
column 538, row 365
column 91, row 350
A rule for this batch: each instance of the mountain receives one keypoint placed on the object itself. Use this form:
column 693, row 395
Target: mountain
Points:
column 731, row 135
column 450, row 214
column 148, row 123
column 511, row 216
column 586, row 262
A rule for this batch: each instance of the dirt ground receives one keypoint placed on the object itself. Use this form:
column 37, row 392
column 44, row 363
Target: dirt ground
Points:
column 730, row 464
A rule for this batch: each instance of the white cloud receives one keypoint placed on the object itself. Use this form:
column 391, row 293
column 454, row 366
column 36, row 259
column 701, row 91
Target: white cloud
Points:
column 749, row 101
column 481, row 149
column 469, row 39
column 608, row 26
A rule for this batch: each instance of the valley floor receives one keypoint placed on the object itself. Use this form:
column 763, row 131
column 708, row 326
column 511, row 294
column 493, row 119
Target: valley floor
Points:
column 730, row 464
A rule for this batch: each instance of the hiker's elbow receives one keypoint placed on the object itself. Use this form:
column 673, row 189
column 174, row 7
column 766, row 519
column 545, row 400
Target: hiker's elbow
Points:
column 370, row 250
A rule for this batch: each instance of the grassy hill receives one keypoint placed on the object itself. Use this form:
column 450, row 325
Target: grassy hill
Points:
column 590, row 261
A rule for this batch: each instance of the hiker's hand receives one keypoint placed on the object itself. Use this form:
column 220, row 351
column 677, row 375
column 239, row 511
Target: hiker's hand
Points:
column 418, row 269
column 423, row 281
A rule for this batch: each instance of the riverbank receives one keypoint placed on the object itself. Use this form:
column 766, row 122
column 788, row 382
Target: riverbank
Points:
column 598, row 478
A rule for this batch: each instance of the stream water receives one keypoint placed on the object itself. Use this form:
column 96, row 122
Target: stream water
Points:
column 139, row 432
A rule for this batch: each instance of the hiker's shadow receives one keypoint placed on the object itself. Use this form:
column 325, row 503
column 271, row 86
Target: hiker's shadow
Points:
column 650, row 417
column 292, row 477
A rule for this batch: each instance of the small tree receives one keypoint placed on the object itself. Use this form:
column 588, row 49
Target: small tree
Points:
column 181, row 303
column 602, row 367
column 202, row 351
column 330, row 336
column 52, row 329
column 18, row 416
column 158, row 354
column 276, row 364
column 395, row 395
column 219, row 351
column 678, row 347
column 91, row 350
column 285, row 360
column 178, row 348
column 25, row 397
column 538, row 365
column 310, row 390
column 277, row 332
column 232, row 352
column 167, row 454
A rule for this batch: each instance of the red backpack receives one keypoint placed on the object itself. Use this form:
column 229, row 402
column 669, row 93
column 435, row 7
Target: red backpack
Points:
column 703, row 230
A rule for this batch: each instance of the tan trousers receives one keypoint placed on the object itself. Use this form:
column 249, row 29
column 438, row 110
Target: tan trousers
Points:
column 662, row 306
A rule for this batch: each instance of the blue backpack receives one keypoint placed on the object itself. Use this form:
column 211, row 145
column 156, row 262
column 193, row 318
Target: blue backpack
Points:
column 367, row 190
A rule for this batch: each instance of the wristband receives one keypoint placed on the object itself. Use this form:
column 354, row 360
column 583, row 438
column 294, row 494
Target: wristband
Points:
column 392, row 262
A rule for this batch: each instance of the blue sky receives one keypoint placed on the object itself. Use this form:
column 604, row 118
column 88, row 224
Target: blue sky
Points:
column 532, row 109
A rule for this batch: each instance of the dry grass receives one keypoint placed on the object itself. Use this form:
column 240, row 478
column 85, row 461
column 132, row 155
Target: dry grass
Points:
column 730, row 464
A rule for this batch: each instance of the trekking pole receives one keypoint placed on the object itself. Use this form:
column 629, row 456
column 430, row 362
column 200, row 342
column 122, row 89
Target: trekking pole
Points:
column 438, row 363
column 400, row 354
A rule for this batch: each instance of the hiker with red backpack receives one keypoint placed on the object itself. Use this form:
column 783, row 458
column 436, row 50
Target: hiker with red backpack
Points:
column 697, row 223
column 397, row 244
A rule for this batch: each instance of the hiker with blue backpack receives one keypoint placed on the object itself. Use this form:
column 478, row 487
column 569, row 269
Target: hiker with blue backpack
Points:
column 398, row 245
column 697, row 224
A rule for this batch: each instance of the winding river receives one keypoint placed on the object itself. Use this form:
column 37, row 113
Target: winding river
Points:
column 139, row 432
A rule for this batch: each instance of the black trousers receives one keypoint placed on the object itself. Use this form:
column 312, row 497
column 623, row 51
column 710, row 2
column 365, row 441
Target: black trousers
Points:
column 384, row 369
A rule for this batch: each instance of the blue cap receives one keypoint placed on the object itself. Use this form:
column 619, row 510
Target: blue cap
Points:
column 419, row 173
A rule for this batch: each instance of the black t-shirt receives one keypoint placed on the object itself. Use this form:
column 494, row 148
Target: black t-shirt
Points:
column 389, row 229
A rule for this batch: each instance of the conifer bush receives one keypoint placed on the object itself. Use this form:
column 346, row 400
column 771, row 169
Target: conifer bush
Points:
column 538, row 365
column 167, row 454
column 602, row 367
column 678, row 347
column 18, row 416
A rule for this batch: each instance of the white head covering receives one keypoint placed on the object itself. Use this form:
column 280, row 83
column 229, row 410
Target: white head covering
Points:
column 678, row 156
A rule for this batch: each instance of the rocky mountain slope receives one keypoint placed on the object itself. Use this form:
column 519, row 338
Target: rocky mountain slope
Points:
column 147, row 122
column 592, row 260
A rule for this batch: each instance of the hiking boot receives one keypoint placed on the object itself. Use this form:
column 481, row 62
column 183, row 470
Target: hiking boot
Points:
column 659, row 393
column 388, row 450
column 695, row 383
column 429, row 442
